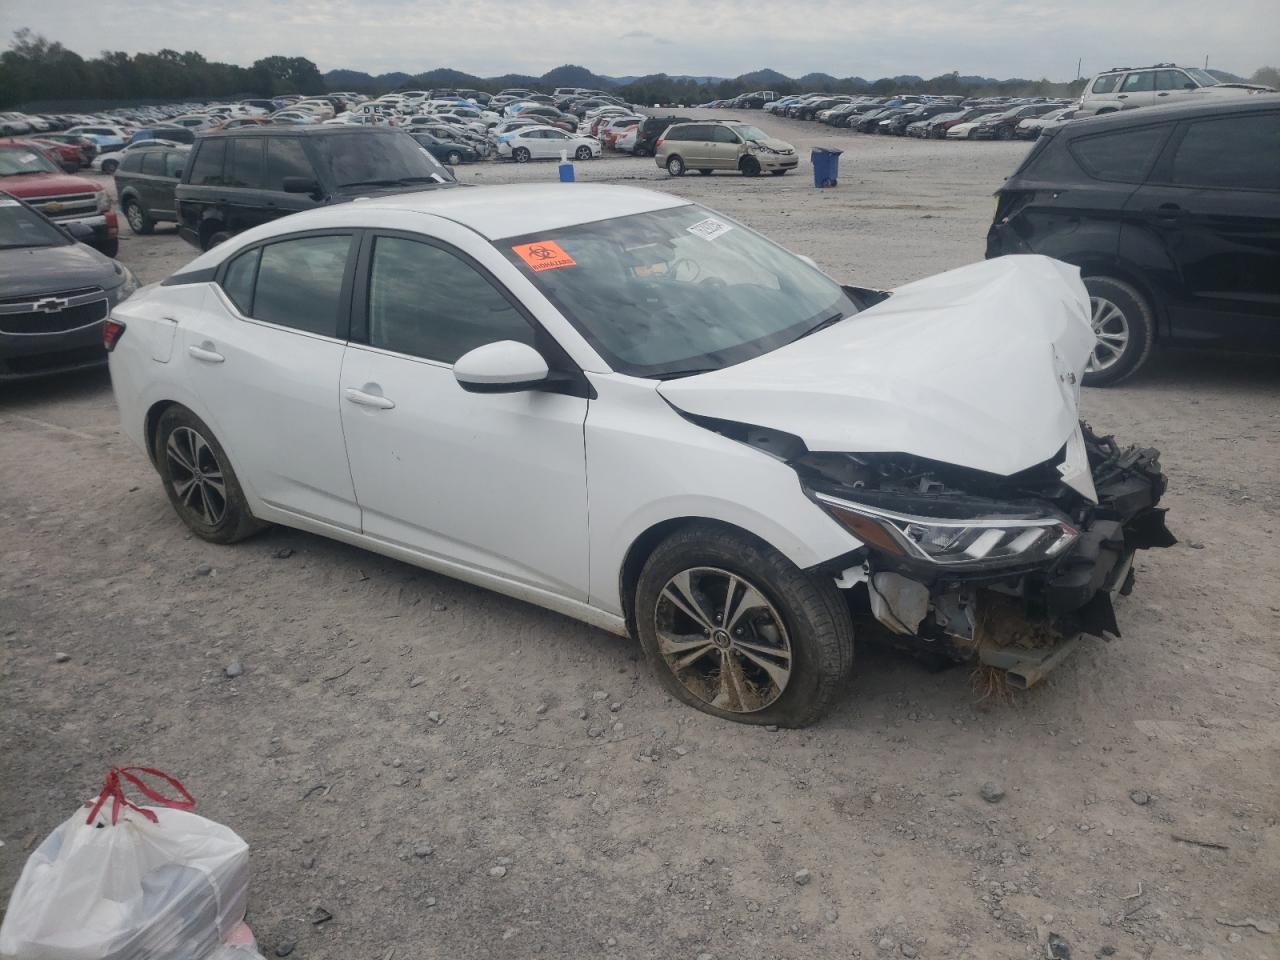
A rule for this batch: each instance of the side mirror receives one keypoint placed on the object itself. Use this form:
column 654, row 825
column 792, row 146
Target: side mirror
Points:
column 301, row 185
column 81, row 232
column 502, row 367
column 810, row 261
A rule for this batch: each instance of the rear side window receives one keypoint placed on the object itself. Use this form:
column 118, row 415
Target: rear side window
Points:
column 1138, row 82
column 286, row 158
column 1233, row 153
column 237, row 282
column 206, row 171
column 244, row 163
column 1125, row 155
column 299, row 283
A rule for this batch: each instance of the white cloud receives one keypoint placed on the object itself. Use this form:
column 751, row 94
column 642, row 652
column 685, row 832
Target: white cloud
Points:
column 1027, row 38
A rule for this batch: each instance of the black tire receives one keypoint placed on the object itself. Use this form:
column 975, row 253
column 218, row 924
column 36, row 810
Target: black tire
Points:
column 813, row 614
column 640, row 152
column 139, row 222
column 453, row 158
column 583, row 152
column 199, row 511
column 749, row 166
column 216, row 236
column 521, row 155
column 110, row 166
column 1139, row 323
column 779, row 173
column 675, row 165
column 705, row 172
column 1004, row 133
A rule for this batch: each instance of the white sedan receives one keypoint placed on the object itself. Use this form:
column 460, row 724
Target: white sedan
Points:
column 638, row 412
column 546, row 143
column 109, row 162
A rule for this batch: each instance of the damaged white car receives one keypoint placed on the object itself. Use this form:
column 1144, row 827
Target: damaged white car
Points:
column 638, row 412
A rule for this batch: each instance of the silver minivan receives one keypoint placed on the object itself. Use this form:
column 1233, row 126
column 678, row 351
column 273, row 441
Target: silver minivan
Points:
column 711, row 145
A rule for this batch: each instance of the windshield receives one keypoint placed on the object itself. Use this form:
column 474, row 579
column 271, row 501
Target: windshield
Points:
column 19, row 160
column 748, row 132
column 677, row 291
column 22, row 227
column 375, row 160
column 1203, row 78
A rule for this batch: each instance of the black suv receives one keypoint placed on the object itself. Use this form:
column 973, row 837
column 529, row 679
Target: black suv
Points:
column 145, row 184
column 650, row 130
column 237, row 179
column 1172, row 215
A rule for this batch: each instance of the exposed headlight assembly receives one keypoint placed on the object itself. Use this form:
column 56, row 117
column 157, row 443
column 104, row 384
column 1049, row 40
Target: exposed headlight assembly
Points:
column 979, row 541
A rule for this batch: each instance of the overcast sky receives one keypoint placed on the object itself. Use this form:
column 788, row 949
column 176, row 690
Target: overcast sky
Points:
column 868, row 38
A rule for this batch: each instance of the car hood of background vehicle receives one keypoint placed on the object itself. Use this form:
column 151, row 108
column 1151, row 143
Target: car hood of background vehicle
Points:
column 37, row 271
column 46, row 185
column 977, row 367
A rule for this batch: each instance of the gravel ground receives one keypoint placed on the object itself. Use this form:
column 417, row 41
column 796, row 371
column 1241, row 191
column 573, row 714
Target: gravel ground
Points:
column 396, row 737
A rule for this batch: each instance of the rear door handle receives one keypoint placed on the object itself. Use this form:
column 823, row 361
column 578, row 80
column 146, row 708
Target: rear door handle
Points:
column 204, row 354
column 1166, row 211
column 369, row 399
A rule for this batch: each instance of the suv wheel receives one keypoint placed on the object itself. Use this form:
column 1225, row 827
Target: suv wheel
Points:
column 139, row 222
column 675, row 166
column 110, row 166
column 216, row 235
column 733, row 628
column 1123, row 327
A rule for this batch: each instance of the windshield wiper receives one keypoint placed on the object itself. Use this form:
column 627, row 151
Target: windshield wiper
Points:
column 369, row 183
column 677, row 374
column 830, row 321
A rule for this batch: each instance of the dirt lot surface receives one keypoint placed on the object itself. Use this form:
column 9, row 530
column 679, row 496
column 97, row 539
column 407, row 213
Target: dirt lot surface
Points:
column 452, row 774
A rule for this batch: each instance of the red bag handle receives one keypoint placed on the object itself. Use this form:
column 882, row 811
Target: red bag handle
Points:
column 113, row 790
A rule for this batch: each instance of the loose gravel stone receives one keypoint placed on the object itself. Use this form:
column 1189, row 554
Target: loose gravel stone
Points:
column 1140, row 797
column 204, row 570
column 233, row 669
column 992, row 792
column 285, row 948
column 802, row 877
column 498, row 871
column 61, row 657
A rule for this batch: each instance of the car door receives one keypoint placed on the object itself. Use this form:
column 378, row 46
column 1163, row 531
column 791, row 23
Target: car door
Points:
column 723, row 148
column 286, row 157
column 149, row 182
column 495, row 482
column 264, row 356
column 1213, row 203
column 164, row 204
column 1173, row 86
column 553, row 142
column 1137, row 89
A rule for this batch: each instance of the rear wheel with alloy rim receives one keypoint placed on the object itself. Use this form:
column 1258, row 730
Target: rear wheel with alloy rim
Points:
column 453, row 158
column 733, row 628
column 1123, row 330
column 199, row 480
column 139, row 222
column 675, row 166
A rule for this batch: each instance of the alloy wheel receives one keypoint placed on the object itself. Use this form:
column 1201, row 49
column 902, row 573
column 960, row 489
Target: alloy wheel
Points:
column 196, row 475
column 723, row 640
column 1111, row 334
column 134, row 214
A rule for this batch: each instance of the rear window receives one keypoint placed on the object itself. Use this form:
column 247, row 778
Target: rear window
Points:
column 1125, row 155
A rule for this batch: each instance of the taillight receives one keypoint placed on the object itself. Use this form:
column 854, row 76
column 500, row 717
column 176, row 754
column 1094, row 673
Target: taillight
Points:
column 658, row 145
column 112, row 331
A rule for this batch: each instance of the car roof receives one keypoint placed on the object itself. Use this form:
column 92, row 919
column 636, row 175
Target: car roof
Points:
column 496, row 212
column 309, row 130
column 1145, row 116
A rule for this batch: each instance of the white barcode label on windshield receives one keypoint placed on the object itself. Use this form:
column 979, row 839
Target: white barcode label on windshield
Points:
column 710, row 228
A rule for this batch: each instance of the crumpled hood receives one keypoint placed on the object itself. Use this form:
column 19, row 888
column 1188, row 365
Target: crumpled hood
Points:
column 978, row 367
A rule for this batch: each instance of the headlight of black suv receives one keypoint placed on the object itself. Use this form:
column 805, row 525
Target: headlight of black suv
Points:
column 970, row 542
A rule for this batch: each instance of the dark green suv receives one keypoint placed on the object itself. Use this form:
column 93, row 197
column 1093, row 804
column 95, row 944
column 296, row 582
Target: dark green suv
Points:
column 237, row 179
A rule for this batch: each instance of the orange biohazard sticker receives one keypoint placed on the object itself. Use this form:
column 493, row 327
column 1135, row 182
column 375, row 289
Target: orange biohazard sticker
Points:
column 543, row 255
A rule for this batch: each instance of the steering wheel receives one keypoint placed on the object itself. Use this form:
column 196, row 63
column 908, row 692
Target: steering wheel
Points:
column 685, row 261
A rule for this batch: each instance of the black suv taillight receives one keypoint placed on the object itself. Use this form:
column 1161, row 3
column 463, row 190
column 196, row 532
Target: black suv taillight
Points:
column 112, row 331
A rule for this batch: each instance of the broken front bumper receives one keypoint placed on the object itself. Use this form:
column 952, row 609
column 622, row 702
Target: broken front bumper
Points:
column 1026, row 621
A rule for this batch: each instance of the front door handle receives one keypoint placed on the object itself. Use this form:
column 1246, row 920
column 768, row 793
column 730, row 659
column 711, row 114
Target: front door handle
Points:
column 1166, row 211
column 205, row 354
column 1122, row 96
column 369, row 399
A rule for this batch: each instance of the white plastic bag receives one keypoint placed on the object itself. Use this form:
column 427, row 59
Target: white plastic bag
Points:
column 149, row 883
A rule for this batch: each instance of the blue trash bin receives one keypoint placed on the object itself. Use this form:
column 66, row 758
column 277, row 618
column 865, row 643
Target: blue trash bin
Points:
column 826, row 166
column 566, row 172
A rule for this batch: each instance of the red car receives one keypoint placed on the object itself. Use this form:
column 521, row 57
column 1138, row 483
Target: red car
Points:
column 27, row 172
column 64, row 154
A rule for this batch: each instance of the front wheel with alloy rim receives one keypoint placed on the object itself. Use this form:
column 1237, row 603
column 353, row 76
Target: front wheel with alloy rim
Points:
column 733, row 628
column 675, row 166
column 583, row 152
column 453, row 158
column 199, row 480
column 1123, row 330
column 750, row 167
column 521, row 155
column 139, row 222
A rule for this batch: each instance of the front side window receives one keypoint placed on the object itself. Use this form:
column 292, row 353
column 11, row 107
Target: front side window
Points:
column 152, row 162
column 1124, row 156
column 426, row 302
column 132, row 161
column 1240, row 153
column 245, row 164
column 1173, row 80
column 173, row 163
column 723, row 135
column 675, row 291
column 286, row 158
column 299, row 283
column 1138, row 82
